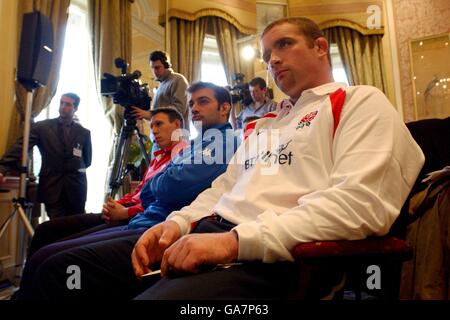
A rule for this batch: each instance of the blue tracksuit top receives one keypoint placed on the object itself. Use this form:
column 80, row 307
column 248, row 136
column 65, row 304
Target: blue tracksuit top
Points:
column 187, row 175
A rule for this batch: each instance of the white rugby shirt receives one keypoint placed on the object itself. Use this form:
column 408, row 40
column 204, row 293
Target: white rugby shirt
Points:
column 314, row 182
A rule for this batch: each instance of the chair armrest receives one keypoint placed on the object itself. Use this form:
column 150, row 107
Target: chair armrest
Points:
column 372, row 247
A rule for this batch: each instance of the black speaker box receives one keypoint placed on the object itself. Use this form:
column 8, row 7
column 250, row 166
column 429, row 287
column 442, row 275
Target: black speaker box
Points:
column 36, row 50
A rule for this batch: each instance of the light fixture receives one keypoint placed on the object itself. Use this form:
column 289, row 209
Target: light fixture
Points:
column 248, row 52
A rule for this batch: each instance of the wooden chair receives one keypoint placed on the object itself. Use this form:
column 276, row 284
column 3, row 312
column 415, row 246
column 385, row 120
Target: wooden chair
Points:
column 343, row 265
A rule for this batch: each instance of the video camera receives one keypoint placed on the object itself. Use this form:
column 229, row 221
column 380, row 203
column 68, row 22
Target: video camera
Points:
column 126, row 89
column 240, row 91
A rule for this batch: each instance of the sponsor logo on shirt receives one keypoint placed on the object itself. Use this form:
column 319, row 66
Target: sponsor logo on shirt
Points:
column 306, row 120
column 271, row 158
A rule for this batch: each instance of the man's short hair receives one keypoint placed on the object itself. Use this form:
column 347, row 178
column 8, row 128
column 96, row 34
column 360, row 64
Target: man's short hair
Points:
column 161, row 56
column 172, row 113
column 258, row 81
column 221, row 94
column 307, row 27
column 76, row 99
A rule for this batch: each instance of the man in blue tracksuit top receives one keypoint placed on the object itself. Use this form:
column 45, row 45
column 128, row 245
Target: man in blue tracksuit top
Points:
column 186, row 176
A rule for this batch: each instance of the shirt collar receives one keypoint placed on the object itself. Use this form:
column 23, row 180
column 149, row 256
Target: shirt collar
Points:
column 285, row 105
column 62, row 122
column 266, row 101
column 168, row 150
column 169, row 71
column 220, row 127
column 324, row 89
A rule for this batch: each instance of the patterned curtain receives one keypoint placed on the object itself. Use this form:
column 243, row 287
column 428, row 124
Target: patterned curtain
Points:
column 186, row 44
column 110, row 29
column 227, row 36
column 362, row 56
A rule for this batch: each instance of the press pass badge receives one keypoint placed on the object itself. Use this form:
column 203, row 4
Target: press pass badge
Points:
column 77, row 151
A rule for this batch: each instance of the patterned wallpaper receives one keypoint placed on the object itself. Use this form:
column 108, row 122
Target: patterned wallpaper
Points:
column 416, row 19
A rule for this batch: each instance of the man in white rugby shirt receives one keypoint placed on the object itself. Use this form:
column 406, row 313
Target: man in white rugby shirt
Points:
column 339, row 166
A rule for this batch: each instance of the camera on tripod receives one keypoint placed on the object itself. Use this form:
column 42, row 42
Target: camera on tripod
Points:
column 240, row 91
column 126, row 89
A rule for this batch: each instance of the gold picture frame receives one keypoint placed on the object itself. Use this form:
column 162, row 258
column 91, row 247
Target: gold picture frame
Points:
column 267, row 12
column 430, row 72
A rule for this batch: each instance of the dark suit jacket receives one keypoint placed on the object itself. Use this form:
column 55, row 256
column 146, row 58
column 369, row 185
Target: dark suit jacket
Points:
column 61, row 170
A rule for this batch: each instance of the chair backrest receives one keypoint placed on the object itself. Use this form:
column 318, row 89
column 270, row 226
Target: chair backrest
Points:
column 433, row 137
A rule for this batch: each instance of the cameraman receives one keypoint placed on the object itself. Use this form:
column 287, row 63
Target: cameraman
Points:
column 261, row 104
column 172, row 90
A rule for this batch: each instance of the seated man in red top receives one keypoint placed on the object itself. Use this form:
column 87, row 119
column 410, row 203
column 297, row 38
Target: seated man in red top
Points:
column 164, row 123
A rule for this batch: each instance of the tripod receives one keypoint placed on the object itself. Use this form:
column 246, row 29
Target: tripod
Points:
column 121, row 154
column 20, row 204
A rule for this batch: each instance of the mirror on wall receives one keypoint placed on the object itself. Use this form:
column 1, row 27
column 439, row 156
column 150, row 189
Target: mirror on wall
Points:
column 430, row 73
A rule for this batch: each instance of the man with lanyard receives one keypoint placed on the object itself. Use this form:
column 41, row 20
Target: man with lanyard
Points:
column 66, row 152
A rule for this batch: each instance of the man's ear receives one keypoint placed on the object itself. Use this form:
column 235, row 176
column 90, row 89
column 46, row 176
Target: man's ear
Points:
column 225, row 108
column 322, row 45
column 178, row 123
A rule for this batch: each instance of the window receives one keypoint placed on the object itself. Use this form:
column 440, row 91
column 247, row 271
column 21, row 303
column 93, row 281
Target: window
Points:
column 77, row 75
column 339, row 74
column 212, row 68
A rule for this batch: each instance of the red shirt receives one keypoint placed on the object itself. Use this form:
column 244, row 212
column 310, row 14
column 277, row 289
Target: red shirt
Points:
column 160, row 160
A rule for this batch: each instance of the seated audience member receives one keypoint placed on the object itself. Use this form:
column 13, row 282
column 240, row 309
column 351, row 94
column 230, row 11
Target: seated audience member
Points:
column 188, row 174
column 114, row 213
column 338, row 165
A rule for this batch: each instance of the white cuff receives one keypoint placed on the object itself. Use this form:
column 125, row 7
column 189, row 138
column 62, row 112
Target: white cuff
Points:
column 182, row 223
column 250, row 241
